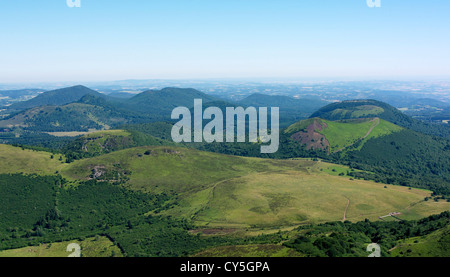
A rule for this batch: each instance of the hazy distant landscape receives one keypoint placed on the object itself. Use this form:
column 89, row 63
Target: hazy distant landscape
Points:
column 340, row 163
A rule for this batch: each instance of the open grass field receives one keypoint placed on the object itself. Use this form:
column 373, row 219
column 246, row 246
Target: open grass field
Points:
column 289, row 198
column 219, row 191
column 15, row 160
column 91, row 247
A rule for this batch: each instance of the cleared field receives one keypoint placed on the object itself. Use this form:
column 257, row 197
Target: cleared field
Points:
column 92, row 247
column 70, row 134
column 15, row 160
column 234, row 192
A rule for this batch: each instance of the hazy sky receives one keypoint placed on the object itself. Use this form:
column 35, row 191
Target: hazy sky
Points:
column 45, row 40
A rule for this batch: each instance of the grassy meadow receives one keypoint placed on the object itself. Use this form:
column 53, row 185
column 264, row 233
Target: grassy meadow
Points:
column 15, row 160
column 235, row 192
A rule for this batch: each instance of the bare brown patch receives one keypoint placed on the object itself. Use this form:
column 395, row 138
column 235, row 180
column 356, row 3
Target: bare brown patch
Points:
column 311, row 138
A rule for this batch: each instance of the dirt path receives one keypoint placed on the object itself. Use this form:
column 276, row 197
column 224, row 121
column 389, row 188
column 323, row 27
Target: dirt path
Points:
column 371, row 128
column 346, row 209
column 376, row 121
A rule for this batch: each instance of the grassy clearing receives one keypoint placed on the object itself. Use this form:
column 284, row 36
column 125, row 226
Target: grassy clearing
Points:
column 98, row 134
column 70, row 134
column 91, row 247
column 15, row 160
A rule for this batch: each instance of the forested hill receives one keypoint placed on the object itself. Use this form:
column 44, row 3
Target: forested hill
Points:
column 352, row 109
column 165, row 100
column 56, row 98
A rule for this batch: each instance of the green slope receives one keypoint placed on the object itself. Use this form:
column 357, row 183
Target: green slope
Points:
column 396, row 155
column 228, row 191
column 342, row 135
column 72, row 117
column 371, row 108
column 15, row 160
column 56, row 97
column 411, row 157
column 162, row 102
column 103, row 142
column 79, row 109
column 436, row 244
column 337, row 136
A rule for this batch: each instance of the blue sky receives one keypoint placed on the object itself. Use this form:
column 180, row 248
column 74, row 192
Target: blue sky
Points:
column 44, row 40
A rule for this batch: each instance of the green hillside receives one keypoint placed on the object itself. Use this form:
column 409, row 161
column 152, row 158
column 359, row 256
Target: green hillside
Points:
column 371, row 108
column 435, row 244
column 56, row 97
column 79, row 109
column 68, row 118
column 162, row 102
column 406, row 158
column 18, row 160
column 427, row 237
column 361, row 109
column 223, row 191
column 103, row 142
column 396, row 154
column 337, row 136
